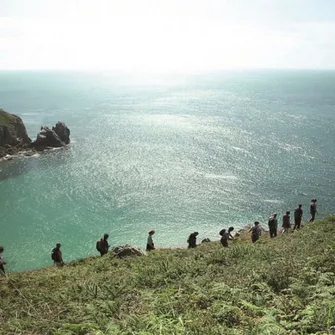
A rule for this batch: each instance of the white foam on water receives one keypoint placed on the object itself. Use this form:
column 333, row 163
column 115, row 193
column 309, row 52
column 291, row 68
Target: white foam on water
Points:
column 220, row 176
column 54, row 149
column 296, row 117
column 273, row 201
column 241, row 150
column 287, row 147
column 34, row 155
column 7, row 157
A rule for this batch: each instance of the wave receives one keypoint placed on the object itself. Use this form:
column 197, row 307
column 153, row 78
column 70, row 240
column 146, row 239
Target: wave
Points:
column 220, row 176
column 273, row 201
column 241, row 150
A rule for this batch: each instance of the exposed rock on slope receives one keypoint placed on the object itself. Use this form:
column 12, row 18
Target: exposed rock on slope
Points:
column 127, row 250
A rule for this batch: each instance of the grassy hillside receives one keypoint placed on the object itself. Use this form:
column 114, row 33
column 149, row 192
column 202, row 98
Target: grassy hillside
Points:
column 280, row 286
column 6, row 119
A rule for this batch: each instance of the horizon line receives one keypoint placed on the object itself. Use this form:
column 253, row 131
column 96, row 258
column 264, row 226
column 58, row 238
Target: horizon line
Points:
column 165, row 72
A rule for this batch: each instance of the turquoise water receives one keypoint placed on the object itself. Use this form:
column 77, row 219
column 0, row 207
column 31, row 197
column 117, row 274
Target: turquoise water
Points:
column 174, row 154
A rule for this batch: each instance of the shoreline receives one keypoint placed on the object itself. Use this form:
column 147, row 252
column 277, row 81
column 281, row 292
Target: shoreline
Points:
column 19, row 154
column 27, row 153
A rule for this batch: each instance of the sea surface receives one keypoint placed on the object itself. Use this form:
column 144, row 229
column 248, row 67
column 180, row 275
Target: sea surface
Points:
column 177, row 154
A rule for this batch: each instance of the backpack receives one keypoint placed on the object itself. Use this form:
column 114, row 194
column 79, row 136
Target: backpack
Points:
column 97, row 245
column 255, row 231
column 53, row 254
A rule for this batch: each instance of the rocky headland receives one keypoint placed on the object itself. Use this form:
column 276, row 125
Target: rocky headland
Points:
column 14, row 138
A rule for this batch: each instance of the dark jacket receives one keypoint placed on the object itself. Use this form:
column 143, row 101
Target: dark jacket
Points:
column 192, row 241
column 57, row 255
column 104, row 246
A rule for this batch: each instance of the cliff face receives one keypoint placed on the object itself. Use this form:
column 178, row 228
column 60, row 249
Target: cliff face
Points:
column 13, row 134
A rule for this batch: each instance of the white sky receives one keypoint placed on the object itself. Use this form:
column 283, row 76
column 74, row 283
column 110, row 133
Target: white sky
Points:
column 166, row 35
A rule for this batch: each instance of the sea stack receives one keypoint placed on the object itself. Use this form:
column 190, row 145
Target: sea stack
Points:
column 57, row 137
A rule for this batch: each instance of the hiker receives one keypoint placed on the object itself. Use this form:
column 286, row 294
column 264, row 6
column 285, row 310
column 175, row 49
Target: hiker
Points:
column 255, row 232
column 225, row 236
column 56, row 255
column 150, row 243
column 192, row 240
column 313, row 210
column 2, row 262
column 273, row 225
column 297, row 217
column 230, row 229
column 286, row 222
column 102, row 245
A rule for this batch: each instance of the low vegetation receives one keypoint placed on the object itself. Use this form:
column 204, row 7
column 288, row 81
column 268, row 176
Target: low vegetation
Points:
column 280, row 286
column 5, row 118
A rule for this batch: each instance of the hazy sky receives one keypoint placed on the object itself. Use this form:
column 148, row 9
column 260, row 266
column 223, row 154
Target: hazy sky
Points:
column 166, row 35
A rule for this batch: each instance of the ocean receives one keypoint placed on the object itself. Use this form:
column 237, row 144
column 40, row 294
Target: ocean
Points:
column 174, row 153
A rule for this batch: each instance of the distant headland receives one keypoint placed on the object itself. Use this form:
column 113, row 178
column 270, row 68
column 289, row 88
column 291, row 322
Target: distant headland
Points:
column 14, row 138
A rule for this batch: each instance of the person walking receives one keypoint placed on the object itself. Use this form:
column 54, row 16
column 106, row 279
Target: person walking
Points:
column 56, row 255
column 255, row 232
column 150, row 243
column 313, row 210
column 192, row 240
column 2, row 262
column 102, row 245
column 273, row 225
column 298, row 217
column 286, row 222
column 225, row 236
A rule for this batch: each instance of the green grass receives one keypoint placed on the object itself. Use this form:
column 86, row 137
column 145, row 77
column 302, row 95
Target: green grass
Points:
column 280, row 286
column 6, row 119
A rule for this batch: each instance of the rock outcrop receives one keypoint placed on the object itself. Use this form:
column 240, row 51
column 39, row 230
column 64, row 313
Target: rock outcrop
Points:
column 62, row 131
column 13, row 134
column 14, row 137
column 127, row 250
column 57, row 137
column 47, row 138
